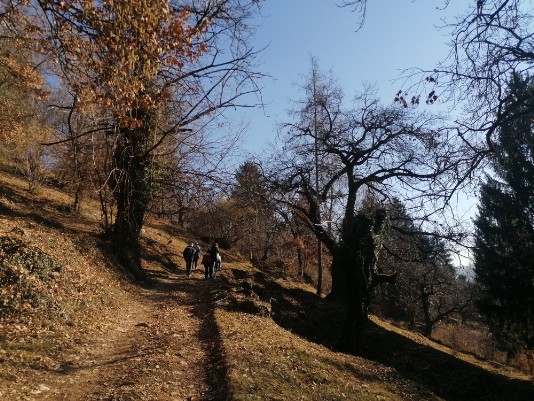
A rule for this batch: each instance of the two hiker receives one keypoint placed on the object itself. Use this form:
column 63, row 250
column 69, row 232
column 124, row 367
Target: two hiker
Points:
column 211, row 260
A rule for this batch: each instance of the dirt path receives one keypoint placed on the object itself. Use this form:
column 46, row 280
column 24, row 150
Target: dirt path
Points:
column 163, row 345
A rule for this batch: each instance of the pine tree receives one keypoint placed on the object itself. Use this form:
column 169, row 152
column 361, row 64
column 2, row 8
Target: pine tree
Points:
column 504, row 238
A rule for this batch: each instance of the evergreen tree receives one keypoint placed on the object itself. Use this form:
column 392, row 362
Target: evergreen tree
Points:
column 504, row 238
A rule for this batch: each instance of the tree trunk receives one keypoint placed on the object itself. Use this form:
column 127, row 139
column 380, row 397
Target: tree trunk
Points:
column 342, row 264
column 349, row 288
column 354, row 273
column 127, row 229
column 133, row 192
column 425, row 303
column 300, row 262
column 77, row 197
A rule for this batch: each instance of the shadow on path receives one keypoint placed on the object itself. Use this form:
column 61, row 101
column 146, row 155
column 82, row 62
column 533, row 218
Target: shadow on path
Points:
column 198, row 296
column 216, row 366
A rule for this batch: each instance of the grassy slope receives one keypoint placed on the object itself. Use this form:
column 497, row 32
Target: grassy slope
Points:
column 260, row 359
column 45, row 311
column 274, row 363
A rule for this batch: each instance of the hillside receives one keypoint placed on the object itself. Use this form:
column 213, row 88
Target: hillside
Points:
column 74, row 326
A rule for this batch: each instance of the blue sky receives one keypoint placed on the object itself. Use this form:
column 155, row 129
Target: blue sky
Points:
column 397, row 34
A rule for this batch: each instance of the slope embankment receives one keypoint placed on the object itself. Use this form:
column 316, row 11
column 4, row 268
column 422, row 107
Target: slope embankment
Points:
column 74, row 326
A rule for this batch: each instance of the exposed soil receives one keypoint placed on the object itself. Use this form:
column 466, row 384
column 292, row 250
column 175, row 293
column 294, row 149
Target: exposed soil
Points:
column 160, row 345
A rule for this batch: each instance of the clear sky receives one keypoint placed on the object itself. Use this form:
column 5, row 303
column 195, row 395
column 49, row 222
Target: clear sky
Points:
column 397, row 34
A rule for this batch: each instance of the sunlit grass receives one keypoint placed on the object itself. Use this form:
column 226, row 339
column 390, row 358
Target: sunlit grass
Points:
column 267, row 362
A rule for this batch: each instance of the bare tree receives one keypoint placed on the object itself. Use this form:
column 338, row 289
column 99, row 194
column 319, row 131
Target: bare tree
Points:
column 250, row 193
column 387, row 151
column 426, row 289
column 489, row 43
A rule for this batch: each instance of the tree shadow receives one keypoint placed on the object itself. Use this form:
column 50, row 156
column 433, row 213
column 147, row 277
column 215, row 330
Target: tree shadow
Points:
column 199, row 296
column 447, row 376
column 34, row 217
column 320, row 320
column 153, row 252
column 217, row 376
column 299, row 311
column 170, row 230
column 45, row 212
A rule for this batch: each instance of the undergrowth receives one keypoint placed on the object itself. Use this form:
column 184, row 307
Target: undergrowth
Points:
column 25, row 273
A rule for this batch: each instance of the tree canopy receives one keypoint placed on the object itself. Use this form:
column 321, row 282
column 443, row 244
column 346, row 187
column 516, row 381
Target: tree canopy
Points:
column 158, row 72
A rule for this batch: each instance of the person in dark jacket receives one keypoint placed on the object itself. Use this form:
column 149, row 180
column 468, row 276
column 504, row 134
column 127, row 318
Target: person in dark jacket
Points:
column 213, row 253
column 208, row 265
column 196, row 256
column 188, row 254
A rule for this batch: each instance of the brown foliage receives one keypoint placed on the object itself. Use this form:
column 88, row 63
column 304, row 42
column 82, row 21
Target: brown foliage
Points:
column 109, row 52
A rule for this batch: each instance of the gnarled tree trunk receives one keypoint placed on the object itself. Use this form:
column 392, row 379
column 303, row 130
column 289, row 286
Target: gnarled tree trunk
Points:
column 132, row 191
column 354, row 273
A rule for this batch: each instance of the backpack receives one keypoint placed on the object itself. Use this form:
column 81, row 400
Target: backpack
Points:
column 188, row 253
column 206, row 259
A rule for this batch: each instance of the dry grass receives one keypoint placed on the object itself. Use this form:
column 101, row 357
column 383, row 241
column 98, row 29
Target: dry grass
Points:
column 267, row 362
column 257, row 330
column 459, row 340
column 396, row 364
column 476, row 340
column 49, row 311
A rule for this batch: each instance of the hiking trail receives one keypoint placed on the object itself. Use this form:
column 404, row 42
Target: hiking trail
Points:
column 162, row 344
